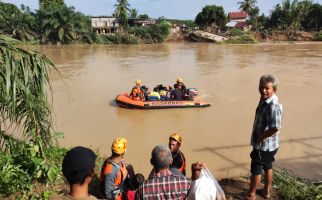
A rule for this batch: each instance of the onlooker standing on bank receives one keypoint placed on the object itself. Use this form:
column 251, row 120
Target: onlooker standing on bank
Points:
column 78, row 168
column 265, row 135
column 162, row 183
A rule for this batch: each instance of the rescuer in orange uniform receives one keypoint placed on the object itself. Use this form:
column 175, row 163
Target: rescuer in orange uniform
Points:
column 114, row 173
column 179, row 160
column 137, row 94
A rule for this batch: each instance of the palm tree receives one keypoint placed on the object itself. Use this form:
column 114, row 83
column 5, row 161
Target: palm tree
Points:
column 24, row 103
column 121, row 11
column 17, row 23
column 247, row 5
column 133, row 13
column 44, row 4
column 58, row 24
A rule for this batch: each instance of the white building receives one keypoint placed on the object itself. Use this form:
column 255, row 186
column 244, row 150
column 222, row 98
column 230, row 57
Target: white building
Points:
column 104, row 24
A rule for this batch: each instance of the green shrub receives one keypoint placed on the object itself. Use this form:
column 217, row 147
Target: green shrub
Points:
column 142, row 32
column 236, row 32
column 291, row 187
column 12, row 177
column 160, row 31
column 318, row 36
column 243, row 39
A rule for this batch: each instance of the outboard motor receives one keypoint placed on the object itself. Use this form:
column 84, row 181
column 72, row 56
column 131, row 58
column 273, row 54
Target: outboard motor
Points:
column 192, row 92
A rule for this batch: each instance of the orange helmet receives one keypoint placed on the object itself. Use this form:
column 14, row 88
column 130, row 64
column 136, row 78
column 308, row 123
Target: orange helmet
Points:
column 119, row 145
column 179, row 80
column 176, row 137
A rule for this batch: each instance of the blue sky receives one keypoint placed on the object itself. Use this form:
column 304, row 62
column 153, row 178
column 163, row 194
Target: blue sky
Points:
column 173, row 9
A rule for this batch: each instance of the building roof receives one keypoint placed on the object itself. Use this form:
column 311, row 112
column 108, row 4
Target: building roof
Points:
column 237, row 15
column 103, row 17
column 231, row 24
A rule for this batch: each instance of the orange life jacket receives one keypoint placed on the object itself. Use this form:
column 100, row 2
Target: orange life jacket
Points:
column 182, row 169
column 119, row 181
column 136, row 94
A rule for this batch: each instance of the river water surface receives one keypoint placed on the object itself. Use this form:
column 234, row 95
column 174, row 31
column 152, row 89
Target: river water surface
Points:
column 226, row 76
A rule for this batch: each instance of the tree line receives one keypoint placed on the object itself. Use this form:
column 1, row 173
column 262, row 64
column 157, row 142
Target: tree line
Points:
column 55, row 22
column 289, row 14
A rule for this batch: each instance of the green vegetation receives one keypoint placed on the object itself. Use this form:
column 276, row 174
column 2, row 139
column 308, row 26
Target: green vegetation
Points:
column 318, row 36
column 29, row 157
column 291, row 187
column 211, row 15
column 153, row 34
column 56, row 23
column 121, row 11
column 246, row 38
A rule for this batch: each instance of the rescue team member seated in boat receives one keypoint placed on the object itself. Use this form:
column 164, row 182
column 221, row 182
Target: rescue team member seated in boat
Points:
column 114, row 173
column 183, row 86
column 177, row 94
column 154, row 96
column 179, row 161
column 169, row 92
column 163, row 93
column 137, row 93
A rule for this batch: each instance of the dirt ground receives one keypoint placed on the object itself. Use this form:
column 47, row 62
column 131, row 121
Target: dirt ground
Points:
column 236, row 188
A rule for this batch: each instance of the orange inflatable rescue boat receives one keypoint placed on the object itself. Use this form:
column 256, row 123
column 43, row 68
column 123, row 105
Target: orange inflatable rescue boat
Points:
column 124, row 101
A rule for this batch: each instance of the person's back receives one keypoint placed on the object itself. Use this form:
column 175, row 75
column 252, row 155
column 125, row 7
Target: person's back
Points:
column 177, row 95
column 154, row 96
column 164, row 185
column 134, row 184
column 78, row 168
column 113, row 172
column 163, row 95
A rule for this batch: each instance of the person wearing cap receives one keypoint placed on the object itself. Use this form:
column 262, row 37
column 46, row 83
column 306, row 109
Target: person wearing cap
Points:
column 179, row 160
column 114, row 173
column 78, row 168
column 136, row 92
column 162, row 183
column 183, row 86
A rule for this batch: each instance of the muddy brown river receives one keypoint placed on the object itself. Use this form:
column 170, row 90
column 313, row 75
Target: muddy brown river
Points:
column 226, row 76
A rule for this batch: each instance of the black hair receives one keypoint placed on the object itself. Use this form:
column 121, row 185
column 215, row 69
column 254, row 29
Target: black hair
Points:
column 136, row 180
column 78, row 176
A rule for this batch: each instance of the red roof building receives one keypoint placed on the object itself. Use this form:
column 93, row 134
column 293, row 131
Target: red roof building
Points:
column 237, row 16
column 238, row 20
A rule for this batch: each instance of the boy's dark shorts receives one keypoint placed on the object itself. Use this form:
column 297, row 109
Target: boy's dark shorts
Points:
column 261, row 160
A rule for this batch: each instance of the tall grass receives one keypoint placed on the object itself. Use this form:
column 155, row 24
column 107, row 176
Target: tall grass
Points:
column 291, row 187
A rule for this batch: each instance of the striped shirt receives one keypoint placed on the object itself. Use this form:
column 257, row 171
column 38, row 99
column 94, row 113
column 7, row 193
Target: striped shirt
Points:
column 268, row 115
column 160, row 186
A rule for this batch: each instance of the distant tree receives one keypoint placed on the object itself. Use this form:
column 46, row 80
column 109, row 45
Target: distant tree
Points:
column 133, row 13
column 253, row 17
column 61, row 24
column 262, row 22
column 313, row 20
column 211, row 14
column 20, row 24
column 247, row 5
column 143, row 17
column 289, row 14
column 43, row 4
column 121, row 11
